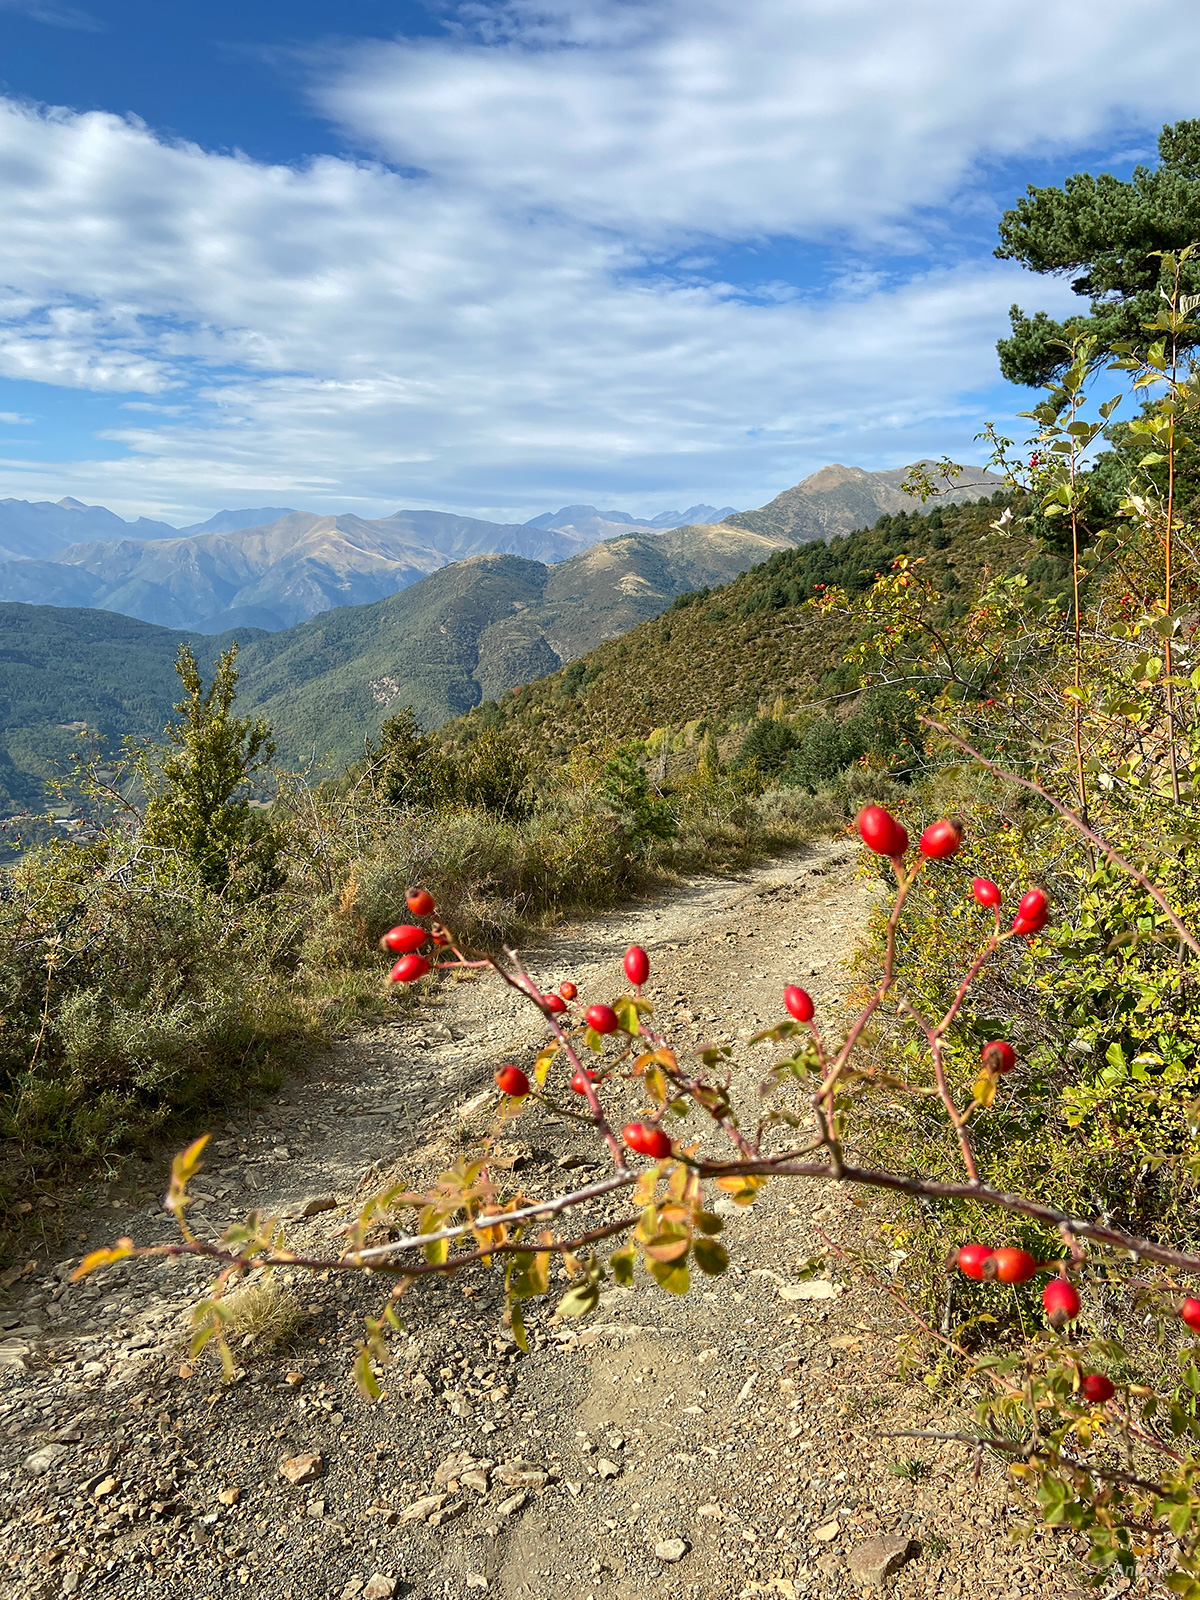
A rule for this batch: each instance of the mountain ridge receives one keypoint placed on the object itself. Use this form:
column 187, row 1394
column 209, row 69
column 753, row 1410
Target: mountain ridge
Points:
column 236, row 570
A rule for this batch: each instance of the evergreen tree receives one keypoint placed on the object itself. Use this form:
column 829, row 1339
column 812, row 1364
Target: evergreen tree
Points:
column 1108, row 234
column 197, row 813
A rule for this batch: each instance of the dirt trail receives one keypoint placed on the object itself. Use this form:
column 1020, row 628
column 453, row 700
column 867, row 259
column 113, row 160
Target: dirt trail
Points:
column 721, row 1445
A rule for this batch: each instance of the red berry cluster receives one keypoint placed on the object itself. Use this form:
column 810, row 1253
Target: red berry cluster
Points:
column 881, row 833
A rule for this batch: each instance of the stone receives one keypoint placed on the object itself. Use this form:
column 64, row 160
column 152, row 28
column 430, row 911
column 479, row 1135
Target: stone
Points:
column 230, row 1495
column 607, row 1469
column 510, row 1507
column 447, row 1513
column 813, row 1289
column 476, row 1580
column 302, row 1469
column 671, row 1549
column 827, row 1531
column 475, row 1478
column 874, row 1560
column 519, row 1476
column 44, row 1460
column 353, row 1589
column 104, row 1488
column 379, row 1587
column 313, row 1208
column 421, row 1510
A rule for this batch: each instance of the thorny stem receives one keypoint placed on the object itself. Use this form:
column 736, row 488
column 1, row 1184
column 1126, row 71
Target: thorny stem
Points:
column 1028, row 1452
column 823, row 1098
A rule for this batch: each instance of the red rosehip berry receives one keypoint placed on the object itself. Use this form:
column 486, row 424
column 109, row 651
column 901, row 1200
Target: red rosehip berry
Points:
column 409, row 968
column 404, row 938
column 420, row 902
column 972, row 1258
column 879, row 831
column 1190, row 1312
column 1033, row 912
column 1097, row 1388
column 646, row 1141
column 637, row 965
column 554, row 1003
column 580, row 1080
column 985, row 891
column 1010, row 1265
column 513, row 1081
column 999, row 1056
column 1061, row 1302
column 941, row 839
column 568, row 990
column 602, row 1019
column 799, row 1002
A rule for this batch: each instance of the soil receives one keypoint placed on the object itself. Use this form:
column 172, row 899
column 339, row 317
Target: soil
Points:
column 730, row 1443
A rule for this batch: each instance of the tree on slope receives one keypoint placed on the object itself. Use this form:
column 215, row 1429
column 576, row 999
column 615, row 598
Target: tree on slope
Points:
column 1109, row 233
column 198, row 813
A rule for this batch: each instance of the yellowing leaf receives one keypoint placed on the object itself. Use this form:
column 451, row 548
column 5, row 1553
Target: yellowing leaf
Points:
column 544, row 1059
column 364, row 1377
column 102, row 1258
column 674, row 1278
column 580, row 1300
column 187, row 1163
column 742, row 1188
column 985, row 1087
column 666, row 1246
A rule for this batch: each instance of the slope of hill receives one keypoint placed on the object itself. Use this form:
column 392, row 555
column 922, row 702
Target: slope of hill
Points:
column 720, row 654
column 471, row 631
column 839, row 499
column 63, row 669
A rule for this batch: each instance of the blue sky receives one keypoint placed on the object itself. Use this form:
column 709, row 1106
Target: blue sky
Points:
column 508, row 254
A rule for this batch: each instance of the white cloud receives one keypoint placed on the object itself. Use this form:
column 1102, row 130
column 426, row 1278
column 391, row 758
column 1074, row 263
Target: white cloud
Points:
column 746, row 117
column 507, row 330
column 14, row 419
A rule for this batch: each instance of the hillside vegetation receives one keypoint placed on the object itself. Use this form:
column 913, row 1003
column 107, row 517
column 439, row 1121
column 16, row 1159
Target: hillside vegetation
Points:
column 720, row 655
column 63, row 670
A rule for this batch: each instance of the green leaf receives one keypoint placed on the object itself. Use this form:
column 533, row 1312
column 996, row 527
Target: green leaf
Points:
column 621, row 1262
column 529, row 1274
column 517, row 1322
column 709, row 1222
column 711, row 1257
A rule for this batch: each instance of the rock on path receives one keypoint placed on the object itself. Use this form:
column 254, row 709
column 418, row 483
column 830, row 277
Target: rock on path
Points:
column 722, row 1445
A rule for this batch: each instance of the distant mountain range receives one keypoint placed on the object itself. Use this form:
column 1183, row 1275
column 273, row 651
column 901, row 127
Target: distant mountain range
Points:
column 266, row 568
column 272, row 567
column 343, row 621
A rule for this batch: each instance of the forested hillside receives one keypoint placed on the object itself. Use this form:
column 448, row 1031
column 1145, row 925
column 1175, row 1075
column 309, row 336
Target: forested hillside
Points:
column 717, row 655
column 63, row 670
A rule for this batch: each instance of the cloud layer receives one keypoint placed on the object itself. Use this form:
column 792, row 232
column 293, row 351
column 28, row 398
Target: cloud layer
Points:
column 494, row 311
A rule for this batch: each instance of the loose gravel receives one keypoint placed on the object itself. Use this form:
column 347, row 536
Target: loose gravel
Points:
column 726, row 1444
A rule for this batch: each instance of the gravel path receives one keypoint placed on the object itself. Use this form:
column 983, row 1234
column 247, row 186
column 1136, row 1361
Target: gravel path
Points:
column 721, row 1445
